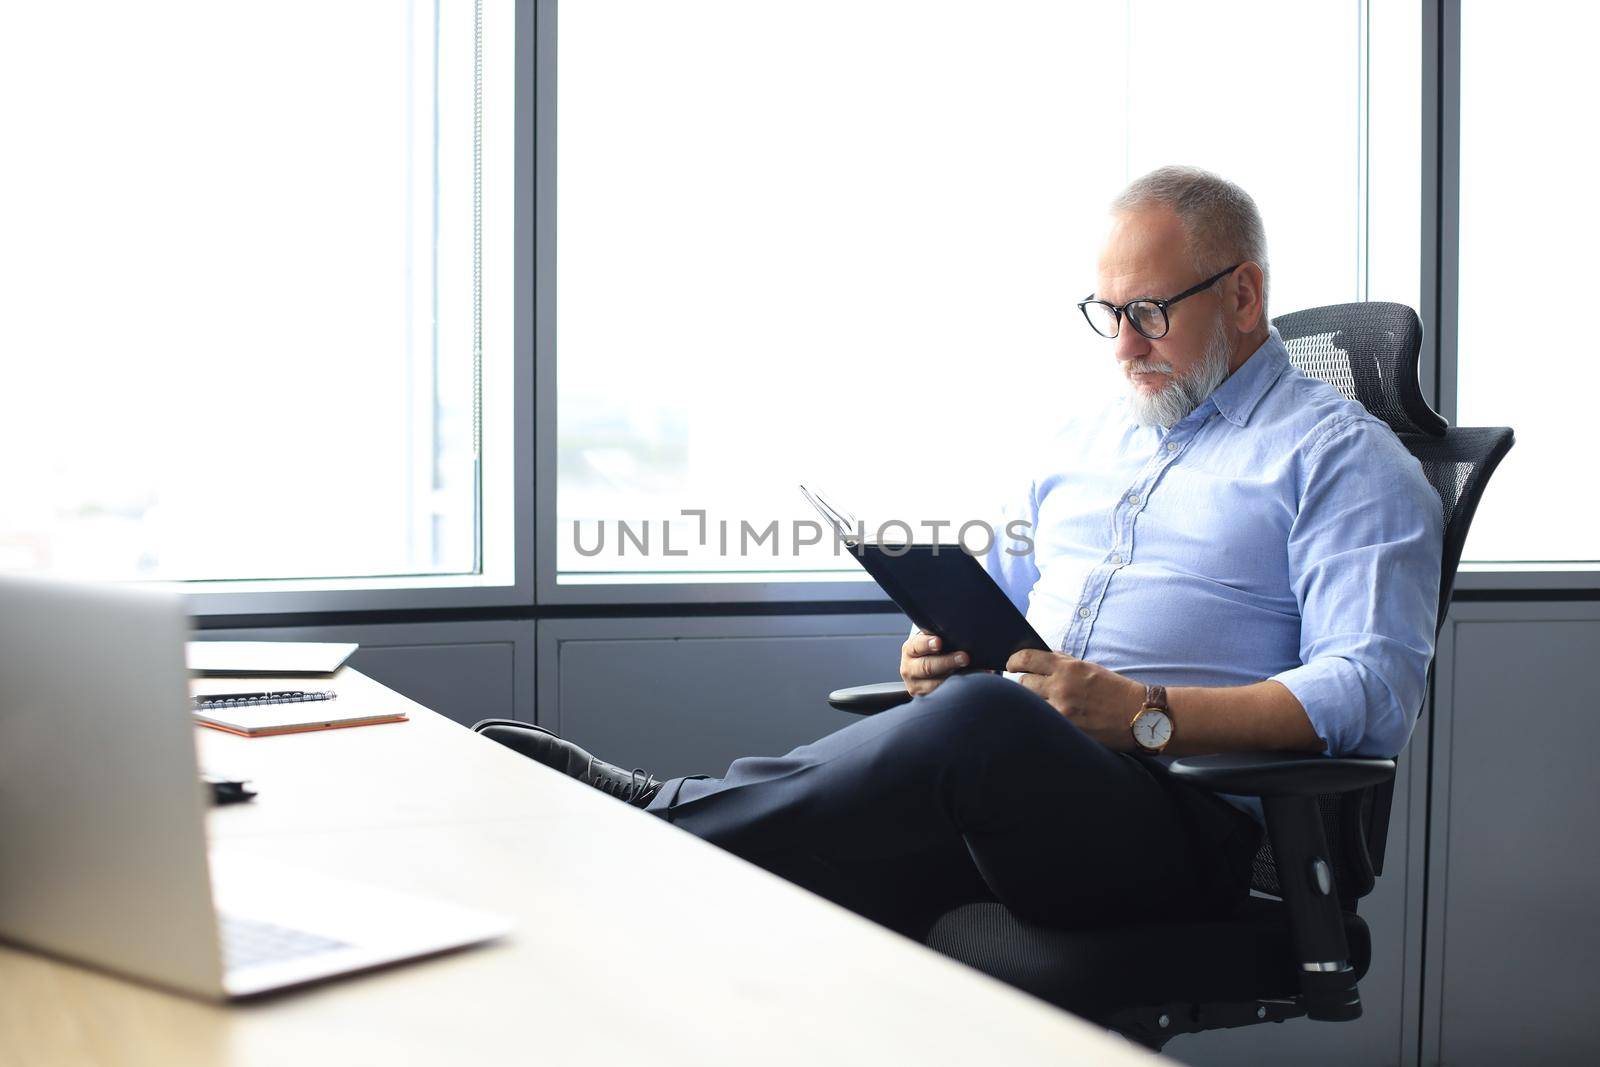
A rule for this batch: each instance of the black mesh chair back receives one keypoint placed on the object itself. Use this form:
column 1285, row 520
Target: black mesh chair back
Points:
column 1369, row 352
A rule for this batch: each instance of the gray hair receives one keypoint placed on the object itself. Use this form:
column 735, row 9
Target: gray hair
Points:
column 1219, row 219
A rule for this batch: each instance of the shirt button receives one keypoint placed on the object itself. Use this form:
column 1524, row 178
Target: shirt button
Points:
column 1083, row 613
column 1172, row 446
column 1116, row 557
column 1133, row 498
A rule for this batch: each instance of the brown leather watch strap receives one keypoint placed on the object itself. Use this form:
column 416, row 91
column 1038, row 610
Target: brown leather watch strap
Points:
column 1155, row 696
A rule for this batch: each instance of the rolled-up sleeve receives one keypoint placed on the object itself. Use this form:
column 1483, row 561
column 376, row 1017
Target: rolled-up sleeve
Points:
column 1364, row 559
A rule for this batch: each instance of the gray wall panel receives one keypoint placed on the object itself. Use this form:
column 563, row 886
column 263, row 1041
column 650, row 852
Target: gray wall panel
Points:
column 463, row 670
column 465, row 682
column 685, row 696
column 1516, row 863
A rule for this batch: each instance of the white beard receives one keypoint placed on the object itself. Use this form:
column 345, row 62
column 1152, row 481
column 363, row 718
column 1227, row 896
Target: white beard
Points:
column 1169, row 407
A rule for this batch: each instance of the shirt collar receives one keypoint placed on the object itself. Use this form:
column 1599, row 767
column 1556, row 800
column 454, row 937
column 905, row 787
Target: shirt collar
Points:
column 1238, row 396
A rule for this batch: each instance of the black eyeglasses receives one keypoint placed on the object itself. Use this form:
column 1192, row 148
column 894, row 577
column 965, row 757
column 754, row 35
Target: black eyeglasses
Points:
column 1148, row 316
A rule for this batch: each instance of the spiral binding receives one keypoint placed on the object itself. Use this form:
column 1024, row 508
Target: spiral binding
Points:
column 251, row 700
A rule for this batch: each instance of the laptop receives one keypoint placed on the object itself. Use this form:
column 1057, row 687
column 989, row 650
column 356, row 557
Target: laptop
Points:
column 103, row 855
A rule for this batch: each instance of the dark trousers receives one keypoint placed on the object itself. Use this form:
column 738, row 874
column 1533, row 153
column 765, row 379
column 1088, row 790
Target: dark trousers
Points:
column 979, row 791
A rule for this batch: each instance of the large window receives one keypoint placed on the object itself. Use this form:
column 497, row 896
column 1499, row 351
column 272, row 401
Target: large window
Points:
column 256, row 286
column 841, row 242
column 1527, row 237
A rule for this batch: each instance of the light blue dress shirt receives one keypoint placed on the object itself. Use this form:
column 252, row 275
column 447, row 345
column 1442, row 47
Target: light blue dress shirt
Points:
column 1279, row 531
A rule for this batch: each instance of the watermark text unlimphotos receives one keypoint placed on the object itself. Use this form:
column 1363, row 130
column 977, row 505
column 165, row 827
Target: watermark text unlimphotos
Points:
column 777, row 538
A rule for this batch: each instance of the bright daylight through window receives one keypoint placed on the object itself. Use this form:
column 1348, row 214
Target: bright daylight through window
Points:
column 256, row 260
column 841, row 242
column 1525, row 78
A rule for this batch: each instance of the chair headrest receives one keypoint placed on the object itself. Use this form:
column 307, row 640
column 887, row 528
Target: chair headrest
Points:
column 1369, row 353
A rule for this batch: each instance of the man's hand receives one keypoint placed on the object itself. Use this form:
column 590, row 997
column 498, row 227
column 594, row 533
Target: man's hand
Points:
column 1098, row 701
column 923, row 667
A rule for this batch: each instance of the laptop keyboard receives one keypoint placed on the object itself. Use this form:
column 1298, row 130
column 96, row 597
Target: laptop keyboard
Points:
column 249, row 942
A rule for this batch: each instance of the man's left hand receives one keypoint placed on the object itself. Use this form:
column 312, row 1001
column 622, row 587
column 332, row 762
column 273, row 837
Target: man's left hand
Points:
column 1100, row 702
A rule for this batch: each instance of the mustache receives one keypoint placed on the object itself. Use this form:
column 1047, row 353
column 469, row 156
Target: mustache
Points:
column 1149, row 367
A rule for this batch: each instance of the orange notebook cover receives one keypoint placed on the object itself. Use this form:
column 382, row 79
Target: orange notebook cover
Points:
column 281, row 719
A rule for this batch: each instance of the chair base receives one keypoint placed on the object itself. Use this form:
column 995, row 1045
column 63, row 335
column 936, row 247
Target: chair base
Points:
column 1230, row 972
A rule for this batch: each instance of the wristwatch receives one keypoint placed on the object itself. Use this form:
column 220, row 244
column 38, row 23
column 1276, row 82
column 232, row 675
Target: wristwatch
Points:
column 1152, row 726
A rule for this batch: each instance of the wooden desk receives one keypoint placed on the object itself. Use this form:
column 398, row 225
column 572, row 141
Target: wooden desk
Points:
column 634, row 942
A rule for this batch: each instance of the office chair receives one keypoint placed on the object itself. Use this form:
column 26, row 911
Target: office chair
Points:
column 1298, row 948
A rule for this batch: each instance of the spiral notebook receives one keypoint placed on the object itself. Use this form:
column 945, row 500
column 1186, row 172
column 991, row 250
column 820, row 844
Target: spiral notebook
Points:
column 290, row 711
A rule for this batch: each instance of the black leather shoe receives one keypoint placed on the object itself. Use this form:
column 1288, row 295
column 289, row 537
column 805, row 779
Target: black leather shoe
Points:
column 635, row 786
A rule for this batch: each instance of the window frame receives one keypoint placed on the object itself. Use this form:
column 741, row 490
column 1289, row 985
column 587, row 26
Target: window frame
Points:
column 1439, row 276
column 1441, row 265
column 644, row 590
column 533, row 524
column 748, row 588
column 506, row 559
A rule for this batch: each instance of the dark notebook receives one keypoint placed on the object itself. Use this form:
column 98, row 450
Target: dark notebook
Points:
column 943, row 590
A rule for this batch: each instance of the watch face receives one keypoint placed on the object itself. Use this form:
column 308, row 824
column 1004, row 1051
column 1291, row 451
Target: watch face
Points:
column 1152, row 729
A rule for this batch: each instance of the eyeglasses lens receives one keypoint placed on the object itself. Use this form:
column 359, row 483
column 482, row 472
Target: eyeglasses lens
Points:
column 1101, row 317
column 1148, row 318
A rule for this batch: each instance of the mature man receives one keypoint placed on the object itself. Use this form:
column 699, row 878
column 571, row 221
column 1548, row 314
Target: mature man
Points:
column 1236, row 558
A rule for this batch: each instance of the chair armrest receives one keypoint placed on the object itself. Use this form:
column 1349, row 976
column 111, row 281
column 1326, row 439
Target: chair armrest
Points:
column 869, row 699
column 1282, row 774
column 1311, row 897
column 1289, row 784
